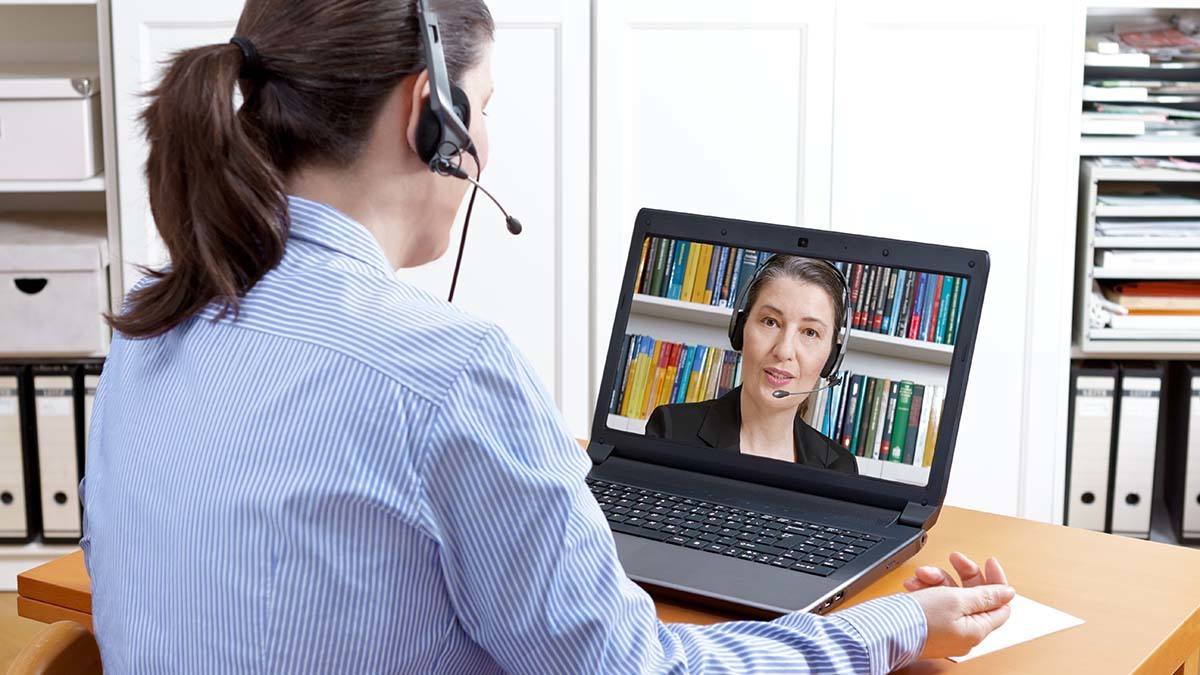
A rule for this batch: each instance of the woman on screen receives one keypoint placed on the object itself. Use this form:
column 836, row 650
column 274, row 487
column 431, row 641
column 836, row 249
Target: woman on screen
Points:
column 792, row 311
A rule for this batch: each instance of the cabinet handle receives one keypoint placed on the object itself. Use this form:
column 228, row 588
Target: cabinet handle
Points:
column 31, row 286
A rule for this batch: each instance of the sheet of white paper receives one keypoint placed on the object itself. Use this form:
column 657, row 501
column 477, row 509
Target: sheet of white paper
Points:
column 1029, row 619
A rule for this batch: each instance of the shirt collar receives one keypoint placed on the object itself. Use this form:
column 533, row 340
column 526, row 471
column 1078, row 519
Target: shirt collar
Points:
column 325, row 226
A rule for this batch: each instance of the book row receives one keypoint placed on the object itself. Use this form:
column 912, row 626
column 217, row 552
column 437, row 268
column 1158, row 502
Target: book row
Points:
column 903, row 303
column 656, row 372
column 888, row 420
column 706, row 274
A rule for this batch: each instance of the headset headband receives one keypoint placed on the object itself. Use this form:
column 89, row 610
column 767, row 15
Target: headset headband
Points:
column 455, row 132
column 837, row 354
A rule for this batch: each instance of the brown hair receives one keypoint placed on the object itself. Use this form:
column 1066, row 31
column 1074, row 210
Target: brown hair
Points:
column 807, row 270
column 216, row 175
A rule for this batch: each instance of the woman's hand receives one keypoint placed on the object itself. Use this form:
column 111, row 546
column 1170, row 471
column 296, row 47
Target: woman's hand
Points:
column 968, row 571
column 960, row 618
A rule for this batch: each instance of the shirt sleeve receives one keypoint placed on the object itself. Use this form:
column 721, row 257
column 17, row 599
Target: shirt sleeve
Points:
column 531, row 568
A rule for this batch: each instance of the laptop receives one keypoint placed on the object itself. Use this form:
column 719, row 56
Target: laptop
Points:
column 752, row 447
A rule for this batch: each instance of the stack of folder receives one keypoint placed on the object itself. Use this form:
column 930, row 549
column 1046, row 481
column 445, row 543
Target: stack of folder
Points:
column 44, row 416
column 1116, row 430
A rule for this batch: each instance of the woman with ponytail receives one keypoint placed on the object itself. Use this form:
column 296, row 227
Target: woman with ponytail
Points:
column 298, row 463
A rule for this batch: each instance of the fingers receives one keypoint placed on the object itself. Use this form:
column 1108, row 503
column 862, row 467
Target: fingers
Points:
column 984, row 599
column 968, row 571
column 927, row 576
column 993, row 573
column 983, row 623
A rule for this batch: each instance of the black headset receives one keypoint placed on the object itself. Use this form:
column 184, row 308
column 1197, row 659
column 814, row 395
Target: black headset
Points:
column 441, row 134
column 833, row 364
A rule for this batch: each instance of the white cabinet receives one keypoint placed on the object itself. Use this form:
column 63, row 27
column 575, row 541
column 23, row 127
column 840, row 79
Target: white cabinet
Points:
column 713, row 107
column 145, row 33
column 952, row 126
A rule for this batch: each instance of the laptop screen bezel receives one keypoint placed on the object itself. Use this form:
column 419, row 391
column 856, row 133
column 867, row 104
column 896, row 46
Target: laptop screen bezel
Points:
column 970, row 264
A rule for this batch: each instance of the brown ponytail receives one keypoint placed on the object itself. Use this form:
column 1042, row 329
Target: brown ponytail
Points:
column 216, row 175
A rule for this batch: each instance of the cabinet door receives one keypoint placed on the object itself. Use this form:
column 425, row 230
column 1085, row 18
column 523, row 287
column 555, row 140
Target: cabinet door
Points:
column 535, row 285
column 720, row 108
column 145, row 33
column 953, row 126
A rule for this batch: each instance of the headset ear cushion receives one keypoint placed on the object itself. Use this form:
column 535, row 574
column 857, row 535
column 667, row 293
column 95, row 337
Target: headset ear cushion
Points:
column 429, row 128
column 429, row 133
column 462, row 105
column 831, row 362
column 737, row 329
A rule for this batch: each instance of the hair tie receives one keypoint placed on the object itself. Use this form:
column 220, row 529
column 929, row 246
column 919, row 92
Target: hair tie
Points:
column 251, row 64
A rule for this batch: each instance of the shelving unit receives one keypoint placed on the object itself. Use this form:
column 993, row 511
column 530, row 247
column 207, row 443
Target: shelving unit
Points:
column 1111, row 342
column 693, row 323
column 93, row 184
column 860, row 340
column 16, row 558
column 59, row 35
column 1116, row 343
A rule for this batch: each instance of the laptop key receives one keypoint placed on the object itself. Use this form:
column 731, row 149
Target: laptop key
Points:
column 727, row 541
column 782, row 562
column 696, row 543
column 853, row 550
column 844, row 539
column 812, row 569
column 715, row 548
column 870, row 537
column 707, row 536
column 833, row 563
column 637, row 531
column 676, row 539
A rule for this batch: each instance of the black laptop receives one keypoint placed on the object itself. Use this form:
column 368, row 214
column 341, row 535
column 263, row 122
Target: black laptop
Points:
column 777, row 416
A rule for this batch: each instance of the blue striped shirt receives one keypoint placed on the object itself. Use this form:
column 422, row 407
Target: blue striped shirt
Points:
column 354, row 476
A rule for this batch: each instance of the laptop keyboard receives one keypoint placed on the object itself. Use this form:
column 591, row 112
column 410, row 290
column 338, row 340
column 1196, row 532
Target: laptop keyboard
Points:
column 749, row 535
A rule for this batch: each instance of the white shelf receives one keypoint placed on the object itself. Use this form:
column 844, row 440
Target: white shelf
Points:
column 93, row 184
column 894, row 471
column 1155, row 243
column 17, row 558
column 1153, row 146
column 860, row 341
column 35, row 3
column 1143, row 274
column 1127, row 174
column 1163, row 211
column 1136, row 349
column 1113, row 339
column 622, row 423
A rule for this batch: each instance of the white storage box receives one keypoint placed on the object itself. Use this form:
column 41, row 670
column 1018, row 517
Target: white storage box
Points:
column 49, row 123
column 53, row 284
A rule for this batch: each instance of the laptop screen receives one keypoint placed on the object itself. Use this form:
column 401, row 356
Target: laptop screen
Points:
column 739, row 351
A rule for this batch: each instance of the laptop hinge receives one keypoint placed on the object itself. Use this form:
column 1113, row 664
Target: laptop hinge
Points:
column 599, row 452
column 916, row 515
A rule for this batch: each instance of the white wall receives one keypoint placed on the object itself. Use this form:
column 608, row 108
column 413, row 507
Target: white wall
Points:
column 934, row 121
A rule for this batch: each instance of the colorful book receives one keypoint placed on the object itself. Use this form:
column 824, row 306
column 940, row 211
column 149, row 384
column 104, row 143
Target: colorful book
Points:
column 935, row 419
column 848, row 407
column 675, row 269
column 856, row 424
column 900, row 420
column 711, row 254
column 933, row 310
column 914, row 419
column 885, row 445
column 729, row 260
column 923, row 422
column 939, row 334
column 862, row 418
column 890, row 301
column 914, row 319
column 881, row 405
column 962, row 296
column 901, row 328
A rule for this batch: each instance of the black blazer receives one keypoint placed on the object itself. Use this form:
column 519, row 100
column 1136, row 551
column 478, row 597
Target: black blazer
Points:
column 718, row 424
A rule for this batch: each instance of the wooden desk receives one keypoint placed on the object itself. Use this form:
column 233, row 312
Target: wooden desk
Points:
column 1141, row 600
